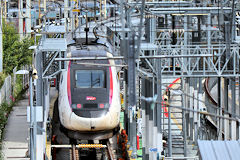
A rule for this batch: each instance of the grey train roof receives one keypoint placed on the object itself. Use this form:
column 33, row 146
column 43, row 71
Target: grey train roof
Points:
column 89, row 53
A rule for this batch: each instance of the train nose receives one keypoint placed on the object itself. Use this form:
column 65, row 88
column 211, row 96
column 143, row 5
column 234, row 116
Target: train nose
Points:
column 91, row 113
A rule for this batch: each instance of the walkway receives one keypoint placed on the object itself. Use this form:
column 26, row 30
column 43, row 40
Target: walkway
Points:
column 15, row 143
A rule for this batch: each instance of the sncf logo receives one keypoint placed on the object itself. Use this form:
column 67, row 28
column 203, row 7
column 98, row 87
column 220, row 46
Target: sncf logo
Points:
column 90, row 98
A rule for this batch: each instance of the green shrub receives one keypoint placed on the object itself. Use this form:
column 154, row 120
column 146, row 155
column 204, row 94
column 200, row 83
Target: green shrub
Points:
column 2, row 78
column 15, row 51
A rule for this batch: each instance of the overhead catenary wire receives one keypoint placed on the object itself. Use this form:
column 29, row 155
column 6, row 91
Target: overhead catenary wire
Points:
column 151, row 100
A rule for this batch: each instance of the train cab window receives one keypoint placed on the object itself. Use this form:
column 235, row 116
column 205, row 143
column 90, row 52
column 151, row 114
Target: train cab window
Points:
column 89, row 78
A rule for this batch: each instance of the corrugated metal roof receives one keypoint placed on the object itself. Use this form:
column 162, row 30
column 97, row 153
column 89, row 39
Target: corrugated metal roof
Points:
column 219, row 150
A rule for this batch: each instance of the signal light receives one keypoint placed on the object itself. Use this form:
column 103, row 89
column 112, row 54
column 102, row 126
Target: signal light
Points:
column 79, row 106
column 101, row 105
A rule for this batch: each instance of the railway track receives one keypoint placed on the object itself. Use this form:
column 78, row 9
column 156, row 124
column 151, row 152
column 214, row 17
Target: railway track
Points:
column 61, row 148
column 94, row 151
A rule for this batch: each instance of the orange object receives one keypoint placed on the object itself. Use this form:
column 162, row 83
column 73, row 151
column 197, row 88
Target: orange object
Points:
column 122, row 140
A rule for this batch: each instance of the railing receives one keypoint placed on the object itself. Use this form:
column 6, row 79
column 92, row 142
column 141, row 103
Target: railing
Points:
column 6, row 90
column 185, row 158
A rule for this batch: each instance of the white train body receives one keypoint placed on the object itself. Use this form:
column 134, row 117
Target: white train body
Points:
column 89, row 100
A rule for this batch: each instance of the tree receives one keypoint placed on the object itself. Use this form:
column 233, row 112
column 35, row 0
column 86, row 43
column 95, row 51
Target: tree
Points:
column 15, row 52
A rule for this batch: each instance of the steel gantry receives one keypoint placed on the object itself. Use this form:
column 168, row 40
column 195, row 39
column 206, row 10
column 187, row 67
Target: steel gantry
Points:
column 167, row 61
column 197, row 42
column 49, row 48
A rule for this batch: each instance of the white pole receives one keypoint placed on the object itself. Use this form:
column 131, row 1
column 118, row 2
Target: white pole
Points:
column 28, row 17
column 20, row 19
column 5, row 9
column 105, row 9
column 1, row 47
column 66, row 14
column 45, row 6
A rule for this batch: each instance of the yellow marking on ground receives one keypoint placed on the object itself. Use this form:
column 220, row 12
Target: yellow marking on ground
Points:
column 172, row 115
column 176, row 122
column 48, row 149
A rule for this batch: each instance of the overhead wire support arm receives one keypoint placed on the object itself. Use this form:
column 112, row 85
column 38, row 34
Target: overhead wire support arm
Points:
column 150, row 99
column 140, row 57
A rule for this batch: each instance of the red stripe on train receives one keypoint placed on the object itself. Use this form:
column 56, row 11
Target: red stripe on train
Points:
column 69, row 85
column 111, row 86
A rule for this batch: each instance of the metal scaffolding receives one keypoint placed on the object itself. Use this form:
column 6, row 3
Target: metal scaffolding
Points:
column 181, row 45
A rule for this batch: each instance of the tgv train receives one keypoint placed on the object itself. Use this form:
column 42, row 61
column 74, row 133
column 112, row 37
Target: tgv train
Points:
column 89, row 101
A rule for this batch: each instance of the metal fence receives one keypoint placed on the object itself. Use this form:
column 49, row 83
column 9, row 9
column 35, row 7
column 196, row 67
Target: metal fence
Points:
column 6, row 90
column 181, row 158
column 25, row 80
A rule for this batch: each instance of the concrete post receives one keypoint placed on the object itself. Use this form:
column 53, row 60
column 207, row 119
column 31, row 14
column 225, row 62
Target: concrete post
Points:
column 28, row 19
column 233, row 111
column 187, row 99
column 32, row 140
column 105, row 9
column 152, row 30
column 66, row 14
column 195, row 107
column 238, row 105
column 143, row 106
column 132, row 95
column 191, row 107
column 122, row 19
column 154, row 130
column 183, row 85
column 150, row 123
column 147, row 119
column 220, row 109
column 72, row 17
column 5, row 9
column 125, row 105
column 227, row 108
column 159, row 108
column 39, row 102
column 209, row 31
column 45, row 6
column 39, row 12
column 169, row 133
column 20, row 18
column 200, row 106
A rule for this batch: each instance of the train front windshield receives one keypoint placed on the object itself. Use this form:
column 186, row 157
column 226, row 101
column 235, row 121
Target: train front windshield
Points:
column 90, row 79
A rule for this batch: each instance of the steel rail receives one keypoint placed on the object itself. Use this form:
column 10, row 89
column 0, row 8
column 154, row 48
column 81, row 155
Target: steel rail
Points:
column 110, row 151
